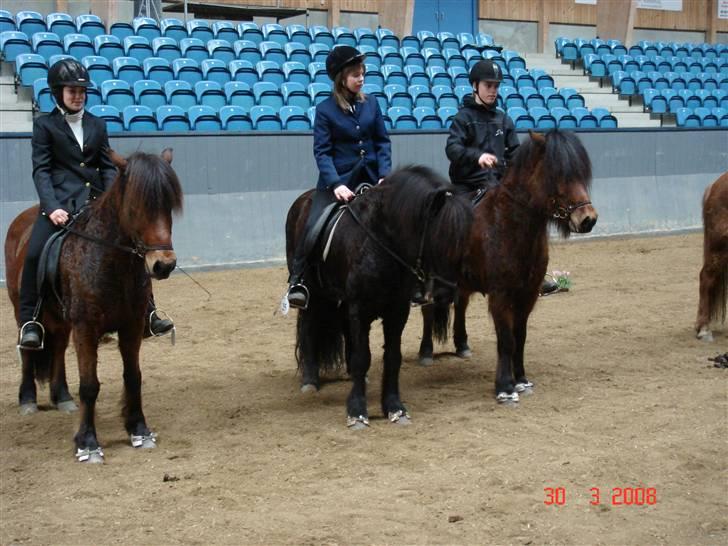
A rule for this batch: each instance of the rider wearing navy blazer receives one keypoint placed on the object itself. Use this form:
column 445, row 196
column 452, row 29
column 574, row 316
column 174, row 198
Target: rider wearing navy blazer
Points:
column 351, row 147
column 71, row 166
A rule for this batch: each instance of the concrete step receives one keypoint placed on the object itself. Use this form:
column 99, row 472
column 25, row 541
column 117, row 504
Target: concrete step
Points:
column 16, row 121
column 635, row 119
column 10, row 100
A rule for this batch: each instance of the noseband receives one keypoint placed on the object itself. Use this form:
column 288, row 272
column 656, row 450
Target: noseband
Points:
column 562, row 212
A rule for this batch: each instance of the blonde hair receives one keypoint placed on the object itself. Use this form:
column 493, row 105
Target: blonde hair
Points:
column 341, row 93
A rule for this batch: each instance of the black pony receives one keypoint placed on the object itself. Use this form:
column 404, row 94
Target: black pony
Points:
column 411, row 217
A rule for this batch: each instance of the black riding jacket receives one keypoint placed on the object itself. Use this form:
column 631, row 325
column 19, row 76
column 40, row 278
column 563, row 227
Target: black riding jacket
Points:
column 476, row 130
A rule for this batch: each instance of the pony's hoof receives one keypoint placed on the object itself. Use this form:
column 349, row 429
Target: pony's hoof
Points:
column 524, row 389
column 309, row 387
column 399, row 417
column 505, row 399
column 705, row 335
column 93, row 456
column 144, row 441
column 28, row 409
column 68, row 406
column 426, row 361
column 464, row 353
column 357, row 423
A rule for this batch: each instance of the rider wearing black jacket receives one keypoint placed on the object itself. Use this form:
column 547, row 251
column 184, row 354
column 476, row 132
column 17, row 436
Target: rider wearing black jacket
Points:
column 482, row 138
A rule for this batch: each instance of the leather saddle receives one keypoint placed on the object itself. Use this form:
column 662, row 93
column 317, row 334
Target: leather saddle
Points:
column 47, row 278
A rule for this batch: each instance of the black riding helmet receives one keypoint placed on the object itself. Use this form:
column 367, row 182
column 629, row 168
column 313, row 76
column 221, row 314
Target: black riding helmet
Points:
column 487, row 71
column 341, row 57
column 67, row 73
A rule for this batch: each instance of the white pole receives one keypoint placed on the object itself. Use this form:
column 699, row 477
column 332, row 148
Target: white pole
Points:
column 185, row 7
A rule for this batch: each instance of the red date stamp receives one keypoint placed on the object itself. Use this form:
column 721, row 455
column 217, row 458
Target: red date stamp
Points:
column 616, row 496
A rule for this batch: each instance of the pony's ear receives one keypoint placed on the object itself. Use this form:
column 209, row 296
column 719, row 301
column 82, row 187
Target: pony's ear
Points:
column 537, row 137
column 167, row 155
column 117, row 160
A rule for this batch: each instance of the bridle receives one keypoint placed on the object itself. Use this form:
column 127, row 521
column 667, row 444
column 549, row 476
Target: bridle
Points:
column 559, row 212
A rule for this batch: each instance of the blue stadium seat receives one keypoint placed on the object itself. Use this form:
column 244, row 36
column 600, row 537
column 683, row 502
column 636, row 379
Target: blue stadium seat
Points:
column 532, row 97
column 445, row 96
column 273, row 32
column 294, row 118
column 270, row 71
column 409, row 41
column 416, row 75
column 243, row 71
column 7, row 22
column 675, row 99
column 12, row 44
column 240, row 94
column 564, row 118
column 296, row 94
column 30, row 22
column 459, row 75
column 268, row 94
column 173, row 28
column 454, row 59
column 446, row 113
column 510, row 97
column 421, row 96
column 426, row 118
column 675, row 81
column 569, row 52
column 571, row 96
column 42, row 96
column 46, row 44
column 121, row 30
column 296, row 72
column 594, row 65
column 472, row 57
column 706, row 116
column 235, row 118
column 709, row 81
column 194, row 48
column 541, row 78
column 374, row 90
column 204, row 118
column 172, row 118
column 623, row 84
column 393, row 74
column 137, row 47
column 216, row 70
column 58, row 23
column 461, row 91
column 318, row 73
column 146, row 27
column 29, row 67
column 166, row 48
column 722, row 97
column 605, row 118
column 158, row 69
column 210, row 93
column 343, row 36
column 513, row 59
column 93, row 97
column 91, row 25
column 55, row 58
column 387, row 38
column 543, row 118
column 398, row 97
column 246, row 50
column 648, row 95
column 99, row 69
column 139, row 119
column 179, row 93
column 372, row 76
column 427, row 40
column 78, row 45
column 433, row 57
column 721, row 114
column 299, row 34
column 412, row 58
column 521, row 118
column 551, row 97
column 685, row 117
column 110, row 115
column 319, row 52
column 365, row 37
column 108, row 46
column 249, row 31
column 439, row 76
column 265, row 118
column 467, row 41
column 298, row 53
column 117, row 93
column 225, row 30
column 200, row 29
column 318, row 92
column 221, row 50
column 149, row 93
column 706, row 98
column 585, row 118
column 187, row 70
column 273, row 51
column 616, row 47
column 391, row 56
column 448, row 40
column 402, row 118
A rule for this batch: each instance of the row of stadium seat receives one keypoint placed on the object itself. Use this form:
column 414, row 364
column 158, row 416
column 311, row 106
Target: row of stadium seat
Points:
column 600, row 66
column 62, row 24
column 661, row 101
column 701, row 117
column 633, row 83
column 260, row 117
column 573, row 50
column 563, row 118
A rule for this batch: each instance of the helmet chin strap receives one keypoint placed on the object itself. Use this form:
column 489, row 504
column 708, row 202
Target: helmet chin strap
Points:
column 476, row 91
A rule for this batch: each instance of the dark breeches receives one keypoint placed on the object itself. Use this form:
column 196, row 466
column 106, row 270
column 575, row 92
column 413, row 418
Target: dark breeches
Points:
column 42, row 230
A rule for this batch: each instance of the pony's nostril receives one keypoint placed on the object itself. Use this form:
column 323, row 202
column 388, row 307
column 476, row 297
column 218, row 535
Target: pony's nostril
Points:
column 587, row 224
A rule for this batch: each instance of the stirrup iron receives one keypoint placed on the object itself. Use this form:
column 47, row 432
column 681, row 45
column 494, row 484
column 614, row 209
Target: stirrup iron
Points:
column 20, row 336
column 173, row 331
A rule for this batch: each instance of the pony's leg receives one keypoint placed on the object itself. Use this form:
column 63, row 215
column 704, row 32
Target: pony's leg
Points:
column 60, row 396
column 356, row 405
column 310, row 381
column 87, row 446
column 426, row 347
column 708, row 280
column 27, row 395
column 130, row 341
column 502, row 313
column 520, row 327
column 460, row 334
column 393, row 324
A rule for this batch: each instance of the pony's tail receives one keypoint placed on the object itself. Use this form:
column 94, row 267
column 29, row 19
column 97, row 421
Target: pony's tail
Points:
column 441, row 322
column 718, row 297
column 320, row 335
column 41, row 361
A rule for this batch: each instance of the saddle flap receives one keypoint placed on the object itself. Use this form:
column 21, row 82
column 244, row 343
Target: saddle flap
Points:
column 47, row 278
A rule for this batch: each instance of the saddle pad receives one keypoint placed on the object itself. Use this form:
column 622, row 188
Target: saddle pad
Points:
column 329, row 232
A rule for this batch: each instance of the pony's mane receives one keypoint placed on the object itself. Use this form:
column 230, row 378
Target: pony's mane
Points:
column 149, row 188
column 565, row 159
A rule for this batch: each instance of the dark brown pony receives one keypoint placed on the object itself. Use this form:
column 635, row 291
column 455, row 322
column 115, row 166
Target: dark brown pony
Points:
column 547, row 184
column 714, row 275
column 413, row 210
column 120, row 241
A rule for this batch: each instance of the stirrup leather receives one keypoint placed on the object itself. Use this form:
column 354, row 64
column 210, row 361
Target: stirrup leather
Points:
column 22, row 331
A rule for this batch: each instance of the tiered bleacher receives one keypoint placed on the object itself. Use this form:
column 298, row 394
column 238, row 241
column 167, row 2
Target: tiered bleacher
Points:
column 686, row 80
column 172, row 76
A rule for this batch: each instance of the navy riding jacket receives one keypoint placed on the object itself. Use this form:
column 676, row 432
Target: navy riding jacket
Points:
column 350, row 147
